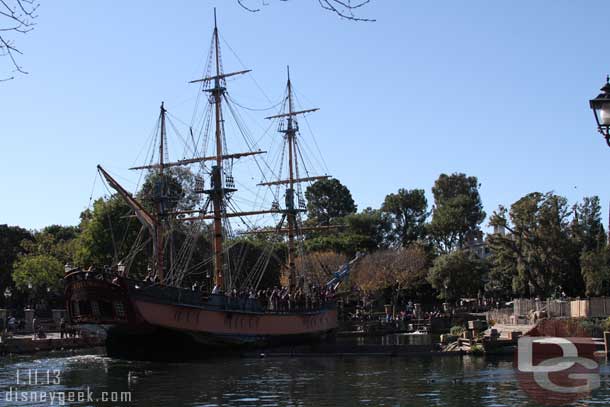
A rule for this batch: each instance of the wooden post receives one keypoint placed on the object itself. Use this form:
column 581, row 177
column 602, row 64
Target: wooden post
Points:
column 606, row 340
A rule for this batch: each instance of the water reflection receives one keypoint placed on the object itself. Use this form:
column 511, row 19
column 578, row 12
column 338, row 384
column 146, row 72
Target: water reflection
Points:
column 333, row 381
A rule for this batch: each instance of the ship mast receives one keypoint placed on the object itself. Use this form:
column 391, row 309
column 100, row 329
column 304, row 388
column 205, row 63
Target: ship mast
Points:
column 159, row 246
column 217, row 190
column 290, row 208
column 291, row 211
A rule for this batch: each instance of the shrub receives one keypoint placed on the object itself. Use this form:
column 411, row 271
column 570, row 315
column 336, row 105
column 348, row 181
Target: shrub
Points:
column 457, row 330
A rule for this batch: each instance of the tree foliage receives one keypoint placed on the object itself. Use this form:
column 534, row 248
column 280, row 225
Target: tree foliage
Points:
column 595, row 269
column 108, row 233
column 37, row 272
column 587, row 225
column 408, row 210
column 402, row 271
column 457, row 212
column 457, row 275
column 11, row 238
column 173, row 190
column 540, row 252
column 327, row 201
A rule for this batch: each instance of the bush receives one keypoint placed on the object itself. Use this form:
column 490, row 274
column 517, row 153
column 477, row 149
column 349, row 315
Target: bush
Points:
column 457, row 330
column 593, row 328
column 605, row 324
column 477, row 350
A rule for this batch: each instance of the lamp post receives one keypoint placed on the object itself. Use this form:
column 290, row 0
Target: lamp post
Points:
column 7, row 296
column 601, row 110
column 30, row 295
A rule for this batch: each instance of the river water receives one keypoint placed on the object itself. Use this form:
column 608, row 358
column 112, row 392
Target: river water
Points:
column 269, row 381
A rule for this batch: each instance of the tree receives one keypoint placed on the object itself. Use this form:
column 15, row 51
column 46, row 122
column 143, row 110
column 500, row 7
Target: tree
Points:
column 587, row 225
column 321, row 265
column 175, row 191
column 11, row 238
column 255, row 263
column 539, row 252
column 108, row 234
column 59, row 242
column 18, row 18
column 595, row 270
column 396, row 271
column 372, row 226
column 457, row 275
column 328, row 200
column 343, row 8
column 408, row 210
column 38, row 272
column 361, row 232
column 457, row 212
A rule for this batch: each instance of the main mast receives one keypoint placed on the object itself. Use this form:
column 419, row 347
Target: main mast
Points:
column 290, row 208
column 217, row 187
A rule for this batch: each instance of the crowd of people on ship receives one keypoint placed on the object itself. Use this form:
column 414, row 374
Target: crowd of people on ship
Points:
column 277, row 299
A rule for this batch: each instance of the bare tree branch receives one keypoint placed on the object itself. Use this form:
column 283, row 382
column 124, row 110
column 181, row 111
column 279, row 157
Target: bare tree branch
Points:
column 18, row 17
column 252, row 10
column 343, row 8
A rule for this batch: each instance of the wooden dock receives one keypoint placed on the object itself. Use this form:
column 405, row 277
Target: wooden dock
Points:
column 25, row 344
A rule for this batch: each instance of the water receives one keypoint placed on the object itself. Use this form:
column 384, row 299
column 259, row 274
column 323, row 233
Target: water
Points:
column 332, row 381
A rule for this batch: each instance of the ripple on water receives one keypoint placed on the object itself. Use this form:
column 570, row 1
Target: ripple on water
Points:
column 320, row 382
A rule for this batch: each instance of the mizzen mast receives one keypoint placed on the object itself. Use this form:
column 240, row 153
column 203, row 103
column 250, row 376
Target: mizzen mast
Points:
column 291, row 211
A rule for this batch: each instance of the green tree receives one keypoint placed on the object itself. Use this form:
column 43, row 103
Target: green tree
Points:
column 328, row 200
column 457, row 212
column 408, row 210
column 256, row 261
column 108, row 234
column 371, row 224
column 174, row 190
column 595, row 272
column 539, row 250
column 457, row 275
column 11, row 238
column 587, row 225
column 59, row 242
column 38, row 272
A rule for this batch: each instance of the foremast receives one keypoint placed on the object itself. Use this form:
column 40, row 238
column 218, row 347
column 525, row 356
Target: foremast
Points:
column 154, row 222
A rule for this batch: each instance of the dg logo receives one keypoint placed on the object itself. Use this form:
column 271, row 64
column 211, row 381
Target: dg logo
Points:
column 557, row 371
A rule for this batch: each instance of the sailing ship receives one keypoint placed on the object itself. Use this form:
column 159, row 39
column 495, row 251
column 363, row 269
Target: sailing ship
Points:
column 159, row 316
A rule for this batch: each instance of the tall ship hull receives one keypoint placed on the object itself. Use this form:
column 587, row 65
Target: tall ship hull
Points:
column 141, row 320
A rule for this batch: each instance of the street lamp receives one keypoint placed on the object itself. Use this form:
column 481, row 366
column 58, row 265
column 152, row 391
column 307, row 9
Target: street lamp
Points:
column 601, row 110
column 7, row 295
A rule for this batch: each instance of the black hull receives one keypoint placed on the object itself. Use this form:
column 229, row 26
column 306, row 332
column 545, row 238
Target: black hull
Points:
column 161, row 344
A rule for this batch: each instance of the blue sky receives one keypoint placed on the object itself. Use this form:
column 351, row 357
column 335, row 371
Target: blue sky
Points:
column 498, row 90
